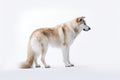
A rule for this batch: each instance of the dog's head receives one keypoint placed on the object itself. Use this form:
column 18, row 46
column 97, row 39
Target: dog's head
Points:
column 82, row 24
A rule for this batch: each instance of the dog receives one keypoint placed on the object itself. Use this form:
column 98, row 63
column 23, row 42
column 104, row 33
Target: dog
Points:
column 61, row 36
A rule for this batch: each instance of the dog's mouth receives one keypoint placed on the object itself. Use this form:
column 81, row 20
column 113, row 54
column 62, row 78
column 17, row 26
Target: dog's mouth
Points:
column 87, row 29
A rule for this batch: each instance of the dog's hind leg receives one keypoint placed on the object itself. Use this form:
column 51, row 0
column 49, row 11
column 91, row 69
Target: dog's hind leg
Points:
column 36, row 63
column 44, row 47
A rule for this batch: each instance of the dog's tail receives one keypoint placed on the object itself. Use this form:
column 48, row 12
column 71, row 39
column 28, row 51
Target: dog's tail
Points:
column 28, row 62
column 30, row 59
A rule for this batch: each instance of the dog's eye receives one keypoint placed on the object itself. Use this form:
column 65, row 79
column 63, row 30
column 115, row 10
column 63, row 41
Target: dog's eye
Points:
column 84, row 22
column 81, row 19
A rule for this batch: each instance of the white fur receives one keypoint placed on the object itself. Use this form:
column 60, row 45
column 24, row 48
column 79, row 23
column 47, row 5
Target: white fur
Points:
column 36, row 47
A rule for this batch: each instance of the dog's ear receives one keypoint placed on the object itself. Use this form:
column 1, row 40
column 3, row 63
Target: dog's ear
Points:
column 83, row 17
column 79, row 19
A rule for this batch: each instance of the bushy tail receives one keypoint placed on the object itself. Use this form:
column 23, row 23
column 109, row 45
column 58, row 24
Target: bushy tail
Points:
column 28, row 62
column 30, row 59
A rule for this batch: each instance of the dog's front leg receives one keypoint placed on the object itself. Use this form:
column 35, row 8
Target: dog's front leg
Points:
column 65, row 50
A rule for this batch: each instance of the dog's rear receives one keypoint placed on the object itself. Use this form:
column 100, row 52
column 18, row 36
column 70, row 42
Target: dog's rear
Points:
column 38, row 44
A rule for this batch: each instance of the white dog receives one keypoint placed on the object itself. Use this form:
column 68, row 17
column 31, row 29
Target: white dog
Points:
column 61, row 36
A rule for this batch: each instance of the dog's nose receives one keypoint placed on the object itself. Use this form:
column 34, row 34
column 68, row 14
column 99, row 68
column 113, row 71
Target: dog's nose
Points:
column 89, row 28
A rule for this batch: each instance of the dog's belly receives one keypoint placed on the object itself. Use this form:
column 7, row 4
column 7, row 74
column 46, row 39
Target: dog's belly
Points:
column 54, row 42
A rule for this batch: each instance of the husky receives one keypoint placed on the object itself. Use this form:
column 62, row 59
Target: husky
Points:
column 60, row 36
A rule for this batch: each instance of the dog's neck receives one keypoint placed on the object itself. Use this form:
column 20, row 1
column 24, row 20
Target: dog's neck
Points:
column 75, row 30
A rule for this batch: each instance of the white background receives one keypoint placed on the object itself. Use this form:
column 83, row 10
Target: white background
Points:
column 97, row 49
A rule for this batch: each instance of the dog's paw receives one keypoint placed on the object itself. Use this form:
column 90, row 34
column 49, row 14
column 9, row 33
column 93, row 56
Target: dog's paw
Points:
column 38, row 66
column 70, row 65
column 47, row 66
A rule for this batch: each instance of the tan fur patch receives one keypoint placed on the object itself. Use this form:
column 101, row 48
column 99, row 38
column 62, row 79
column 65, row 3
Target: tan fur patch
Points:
column 64, row 28
column 30, row 56
column 48, row 32
column 42, row 48
column 79, row 19
column 30, row 59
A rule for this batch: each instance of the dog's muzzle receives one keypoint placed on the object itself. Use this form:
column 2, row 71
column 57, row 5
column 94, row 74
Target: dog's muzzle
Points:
column 87, row 29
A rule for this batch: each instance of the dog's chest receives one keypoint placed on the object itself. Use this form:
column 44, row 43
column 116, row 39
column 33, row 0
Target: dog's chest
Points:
column 70, row 38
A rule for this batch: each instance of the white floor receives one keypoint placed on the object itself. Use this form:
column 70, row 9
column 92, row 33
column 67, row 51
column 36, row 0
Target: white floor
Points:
column 83, row 72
